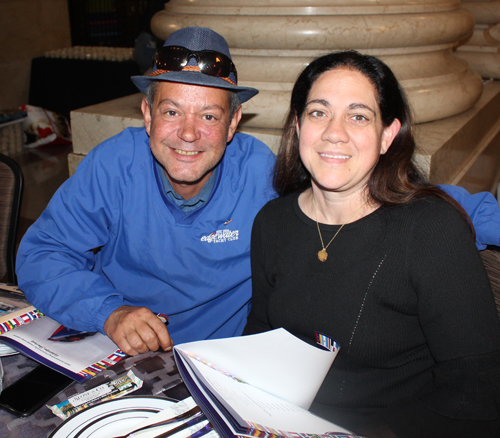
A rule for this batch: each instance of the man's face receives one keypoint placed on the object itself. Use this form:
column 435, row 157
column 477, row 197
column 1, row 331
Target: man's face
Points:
column 188, row 130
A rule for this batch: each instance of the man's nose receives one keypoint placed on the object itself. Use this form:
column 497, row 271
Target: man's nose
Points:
column 188, row 131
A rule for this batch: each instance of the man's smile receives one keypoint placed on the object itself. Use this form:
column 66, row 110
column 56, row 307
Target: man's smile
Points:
column 181, row 152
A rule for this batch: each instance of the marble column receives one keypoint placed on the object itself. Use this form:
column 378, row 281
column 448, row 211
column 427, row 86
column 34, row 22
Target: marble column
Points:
column 482, row 50
column 271, row 41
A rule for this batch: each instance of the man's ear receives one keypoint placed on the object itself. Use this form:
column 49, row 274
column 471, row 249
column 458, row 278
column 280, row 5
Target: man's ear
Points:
column 388, row 135
column 233, row 124
column 146, row 113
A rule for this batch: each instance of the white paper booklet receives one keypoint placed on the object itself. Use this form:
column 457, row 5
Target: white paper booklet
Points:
column 80, row 359
column 259, row 385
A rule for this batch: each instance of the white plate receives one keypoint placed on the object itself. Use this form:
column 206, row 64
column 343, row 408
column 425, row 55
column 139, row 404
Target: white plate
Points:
column 108, row 418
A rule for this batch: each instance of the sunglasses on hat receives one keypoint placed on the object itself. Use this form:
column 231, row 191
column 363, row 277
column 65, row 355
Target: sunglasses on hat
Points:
column 210, row 62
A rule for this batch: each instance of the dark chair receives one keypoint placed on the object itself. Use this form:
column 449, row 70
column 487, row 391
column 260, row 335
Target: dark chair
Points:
column 11, row 185
column 491, row 260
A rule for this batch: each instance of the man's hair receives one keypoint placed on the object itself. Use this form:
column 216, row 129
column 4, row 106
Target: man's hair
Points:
column 151, row 93
column 234, row 101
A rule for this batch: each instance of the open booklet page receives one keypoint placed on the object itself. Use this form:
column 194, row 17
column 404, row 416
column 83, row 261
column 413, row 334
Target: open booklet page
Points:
column 249, row 411
column 79, row 360
column 275, row 361
column 15, row 310
column 243, row 396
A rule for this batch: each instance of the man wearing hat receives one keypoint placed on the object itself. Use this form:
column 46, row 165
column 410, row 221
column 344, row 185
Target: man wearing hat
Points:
column 158, row 219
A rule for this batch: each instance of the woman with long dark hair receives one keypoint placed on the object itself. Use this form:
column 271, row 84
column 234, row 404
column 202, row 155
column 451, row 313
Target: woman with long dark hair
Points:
column 359, row 247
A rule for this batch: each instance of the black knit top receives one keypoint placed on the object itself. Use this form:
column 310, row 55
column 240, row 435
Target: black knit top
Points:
column 405, row 294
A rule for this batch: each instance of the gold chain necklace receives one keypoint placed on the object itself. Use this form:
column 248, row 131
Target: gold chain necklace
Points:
column 322, row 254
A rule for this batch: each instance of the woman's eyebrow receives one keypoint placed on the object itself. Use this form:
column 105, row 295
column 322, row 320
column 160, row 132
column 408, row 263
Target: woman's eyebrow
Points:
column 320, row 101
column 352, row 106
column 361, row 106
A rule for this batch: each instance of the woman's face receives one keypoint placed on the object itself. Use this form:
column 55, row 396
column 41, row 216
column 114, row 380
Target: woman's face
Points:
column 341, row 135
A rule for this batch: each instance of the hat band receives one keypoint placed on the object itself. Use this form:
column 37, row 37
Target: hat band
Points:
column 188, row 68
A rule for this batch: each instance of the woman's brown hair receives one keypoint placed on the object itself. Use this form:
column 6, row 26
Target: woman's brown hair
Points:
column 395, row 179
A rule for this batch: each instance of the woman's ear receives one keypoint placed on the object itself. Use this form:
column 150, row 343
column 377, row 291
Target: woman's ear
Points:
column 388, row 135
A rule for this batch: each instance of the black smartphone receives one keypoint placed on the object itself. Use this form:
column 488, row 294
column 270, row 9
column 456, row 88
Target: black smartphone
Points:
column 33, row 390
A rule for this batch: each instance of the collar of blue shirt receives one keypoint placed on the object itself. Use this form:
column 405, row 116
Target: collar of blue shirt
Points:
column 188, row 205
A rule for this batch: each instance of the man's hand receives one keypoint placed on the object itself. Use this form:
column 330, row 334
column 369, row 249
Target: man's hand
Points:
column 137, row 330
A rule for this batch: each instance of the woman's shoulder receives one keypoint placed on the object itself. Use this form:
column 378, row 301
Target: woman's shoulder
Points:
column 280, row 203
column 432, row 207
column 431, row 216
column 278, row 207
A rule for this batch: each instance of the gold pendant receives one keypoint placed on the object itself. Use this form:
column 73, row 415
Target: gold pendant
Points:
column 322, row 255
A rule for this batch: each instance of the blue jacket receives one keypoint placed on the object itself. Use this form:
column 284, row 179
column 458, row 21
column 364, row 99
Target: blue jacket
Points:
column 483, row 210
column 111, row 237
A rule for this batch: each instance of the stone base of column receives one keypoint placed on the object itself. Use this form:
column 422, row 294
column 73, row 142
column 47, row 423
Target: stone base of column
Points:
column 462, row 150
column 465, row 150
column 482, row 51
column 94, row 124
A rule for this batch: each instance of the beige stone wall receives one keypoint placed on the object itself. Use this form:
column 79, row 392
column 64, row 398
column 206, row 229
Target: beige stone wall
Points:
column 28, row 28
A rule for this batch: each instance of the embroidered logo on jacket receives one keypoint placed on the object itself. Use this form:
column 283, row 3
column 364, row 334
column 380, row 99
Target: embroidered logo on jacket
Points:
column 221, row 236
